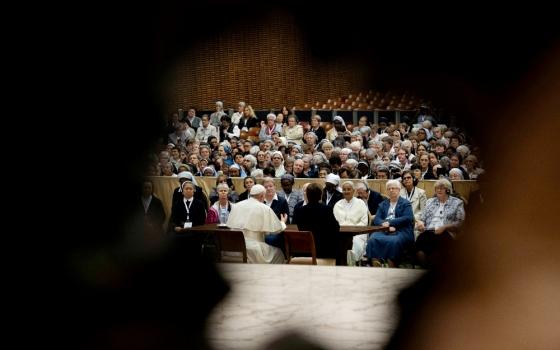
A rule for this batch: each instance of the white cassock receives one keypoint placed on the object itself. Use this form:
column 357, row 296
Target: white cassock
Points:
column 257, row 219
column 353, row 213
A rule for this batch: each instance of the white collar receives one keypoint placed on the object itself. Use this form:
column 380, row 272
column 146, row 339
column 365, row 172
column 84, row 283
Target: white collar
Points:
column 273, row 198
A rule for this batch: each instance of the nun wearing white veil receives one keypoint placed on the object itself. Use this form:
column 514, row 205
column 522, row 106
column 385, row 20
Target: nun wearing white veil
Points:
column 256, row 219
column 338, row 129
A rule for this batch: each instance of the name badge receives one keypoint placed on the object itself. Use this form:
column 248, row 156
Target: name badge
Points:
column 188, row 224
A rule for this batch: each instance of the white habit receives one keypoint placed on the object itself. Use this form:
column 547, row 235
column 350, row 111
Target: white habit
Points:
column 353, row 213
column 257, row 219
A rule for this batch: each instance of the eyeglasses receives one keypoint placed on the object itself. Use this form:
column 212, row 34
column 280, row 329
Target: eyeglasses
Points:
column 407, row 178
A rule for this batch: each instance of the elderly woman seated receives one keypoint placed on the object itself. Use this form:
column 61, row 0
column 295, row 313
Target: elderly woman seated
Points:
column 440, row 220
column 471, row 166
column 219, row 211
column 232, row 195
column 293, row 131
column 455, row 174
column 269, row 128
column 415, row 195
column 396, row 214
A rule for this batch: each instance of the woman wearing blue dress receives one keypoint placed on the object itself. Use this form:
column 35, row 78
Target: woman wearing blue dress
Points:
column 395, row 213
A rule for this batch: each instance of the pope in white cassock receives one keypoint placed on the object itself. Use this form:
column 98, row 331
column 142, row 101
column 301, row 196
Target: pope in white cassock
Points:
column 257, row 219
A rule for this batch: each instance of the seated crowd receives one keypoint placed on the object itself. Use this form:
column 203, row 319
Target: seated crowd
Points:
column 259, row 151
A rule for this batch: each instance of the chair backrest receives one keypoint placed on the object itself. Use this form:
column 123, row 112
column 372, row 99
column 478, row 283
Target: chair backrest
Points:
column 298, row 242
column 232, row 241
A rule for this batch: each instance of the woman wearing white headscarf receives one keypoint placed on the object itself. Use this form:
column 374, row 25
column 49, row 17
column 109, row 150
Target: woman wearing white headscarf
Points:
column 277, row 161
column 338, row 129
column 178, row 192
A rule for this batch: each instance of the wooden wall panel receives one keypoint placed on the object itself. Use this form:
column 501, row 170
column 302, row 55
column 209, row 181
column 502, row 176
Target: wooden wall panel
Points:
column 266, row 64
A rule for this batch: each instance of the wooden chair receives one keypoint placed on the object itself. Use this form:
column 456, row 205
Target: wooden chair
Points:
column 231, row 241
column 302, row 242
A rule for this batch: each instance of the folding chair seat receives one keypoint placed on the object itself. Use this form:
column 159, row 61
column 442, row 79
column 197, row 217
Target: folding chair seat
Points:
column 302, row 243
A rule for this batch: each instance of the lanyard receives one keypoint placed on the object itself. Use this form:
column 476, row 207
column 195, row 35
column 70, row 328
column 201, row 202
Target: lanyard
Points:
column 288, row 196
column 188, row 206
column 391, row 213
column 270, row 130
column 409, row 197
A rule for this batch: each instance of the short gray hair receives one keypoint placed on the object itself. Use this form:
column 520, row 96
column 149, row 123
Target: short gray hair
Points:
column 222, row 185
column 463, row 150
column 365, row 130
column 251, row 159
column 327, row 143
column 445, row 183
column 254, row 150
column 370, row 152
column 268, row 179
column 361, row 185
column 393, row 183
column 311, row 133
column 309, row 158
column 352, row 162
column 257, row 173
column 457, row 172
column 320, row 157
column 272, row 146
column 348, row 183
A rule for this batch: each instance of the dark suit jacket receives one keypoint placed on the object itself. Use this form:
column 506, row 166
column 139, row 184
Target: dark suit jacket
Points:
column 373, row 201
column 298, row 205
column 154, row 217
column 243, row 196
column 197, row 214
column 319, row 219
column 280, row 206
column 321, row 134
column 465, row 173
column 249, row 123
column 429, row 174
column 335, row 198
